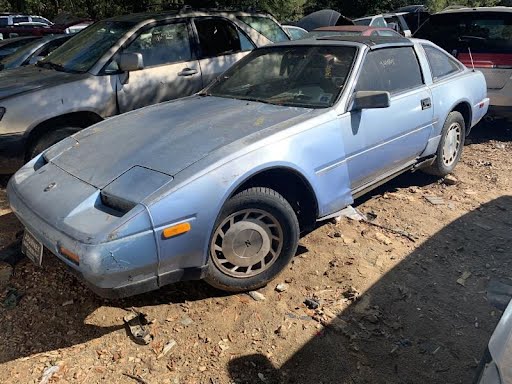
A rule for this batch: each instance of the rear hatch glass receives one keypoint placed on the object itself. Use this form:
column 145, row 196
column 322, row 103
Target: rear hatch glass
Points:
column 487, row 35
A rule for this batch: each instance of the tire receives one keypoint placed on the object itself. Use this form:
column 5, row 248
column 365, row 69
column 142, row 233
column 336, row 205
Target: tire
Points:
column 254, row 238
column 48, row 139
column 450, row 147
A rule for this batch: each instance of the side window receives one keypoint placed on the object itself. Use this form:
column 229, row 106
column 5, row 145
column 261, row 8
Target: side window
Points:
column 20, row 19
column 440, row 63
column 4, row 21
column 266, row 26
column 219, row 37
column 50, row 47
column 392, row 69
column 379, row 22
column 163, row 44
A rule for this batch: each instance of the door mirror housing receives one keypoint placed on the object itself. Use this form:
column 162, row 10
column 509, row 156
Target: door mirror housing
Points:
column 370, row 100
column 130, row 62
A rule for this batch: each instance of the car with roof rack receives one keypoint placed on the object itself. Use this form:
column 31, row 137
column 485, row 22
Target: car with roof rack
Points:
column 221, row 184
column 118, row 65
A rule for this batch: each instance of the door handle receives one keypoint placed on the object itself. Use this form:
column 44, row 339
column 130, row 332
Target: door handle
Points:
column 187, row 72
column 426, row 103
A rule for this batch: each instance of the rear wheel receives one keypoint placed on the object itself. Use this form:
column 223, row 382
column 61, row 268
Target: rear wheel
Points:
column 450, row 146
column 48, row 139
column 255, row 237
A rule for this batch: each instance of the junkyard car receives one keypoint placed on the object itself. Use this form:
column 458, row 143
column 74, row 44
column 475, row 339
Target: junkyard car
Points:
column 33, row 52
column 115, row 66
column 219, row 185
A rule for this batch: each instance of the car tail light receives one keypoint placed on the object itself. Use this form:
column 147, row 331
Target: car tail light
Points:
column 486, row 60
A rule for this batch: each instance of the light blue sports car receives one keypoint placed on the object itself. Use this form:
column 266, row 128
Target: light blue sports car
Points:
column 220, row 185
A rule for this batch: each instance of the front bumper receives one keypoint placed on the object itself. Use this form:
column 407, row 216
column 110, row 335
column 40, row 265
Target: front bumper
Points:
column 12, row 153
column 108, row 268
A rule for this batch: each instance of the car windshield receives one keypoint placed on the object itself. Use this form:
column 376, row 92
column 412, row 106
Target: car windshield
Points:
column 363, row 22
column 313, row 34
column 82, row 51
column 301, row 76
column 482, row 31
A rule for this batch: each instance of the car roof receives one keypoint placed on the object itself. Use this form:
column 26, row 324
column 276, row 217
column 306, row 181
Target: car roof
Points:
column 372, row 42
column 476, row 9
column 349, row 28
column 186, row 12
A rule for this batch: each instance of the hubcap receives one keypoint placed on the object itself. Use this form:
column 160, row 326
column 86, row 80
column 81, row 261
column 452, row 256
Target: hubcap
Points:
column 246, row 243
column 452, row 144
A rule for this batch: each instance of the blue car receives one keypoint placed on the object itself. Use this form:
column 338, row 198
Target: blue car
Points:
column 220, row 185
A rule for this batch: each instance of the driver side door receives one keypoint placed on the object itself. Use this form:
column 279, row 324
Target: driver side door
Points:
column 170, row 68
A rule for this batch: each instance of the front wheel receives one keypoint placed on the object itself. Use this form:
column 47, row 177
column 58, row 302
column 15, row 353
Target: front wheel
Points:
column 450, row 147
column 255, row 237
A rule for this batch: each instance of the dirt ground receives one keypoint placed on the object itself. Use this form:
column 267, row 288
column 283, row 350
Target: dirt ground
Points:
column 392, row 308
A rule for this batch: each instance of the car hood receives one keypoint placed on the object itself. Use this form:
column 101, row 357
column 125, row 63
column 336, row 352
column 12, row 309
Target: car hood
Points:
column 25, row 79
column 166, row 138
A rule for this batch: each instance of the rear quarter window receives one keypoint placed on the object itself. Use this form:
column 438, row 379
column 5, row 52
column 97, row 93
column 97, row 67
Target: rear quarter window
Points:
column 393, row 70
column 441, row 64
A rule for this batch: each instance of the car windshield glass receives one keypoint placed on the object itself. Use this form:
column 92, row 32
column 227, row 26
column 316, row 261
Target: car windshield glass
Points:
column 266, row 26
column 314, row 34
column 82, row 51
column 363, row 22
column 11, row 60
column 482, row 31
column 310, row 77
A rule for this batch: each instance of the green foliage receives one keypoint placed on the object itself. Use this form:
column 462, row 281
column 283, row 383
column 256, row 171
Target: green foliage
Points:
column 283, row 9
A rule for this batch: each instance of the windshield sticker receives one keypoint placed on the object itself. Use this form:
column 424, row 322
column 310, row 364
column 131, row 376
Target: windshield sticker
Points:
column 325, row 98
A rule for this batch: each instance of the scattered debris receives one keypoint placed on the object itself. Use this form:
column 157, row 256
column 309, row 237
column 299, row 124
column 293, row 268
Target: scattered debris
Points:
column 48, row 373
column 353, row 214
column 400, row 232
column 66, row 303
column 462, row 280
column 435, row 200
column 12, row 298
column 137, row 327
column 257, row 296
column 383, row 238
column 352, row 294
column 167, row 347
column 137, row 378
column 262, row 377
column 311, row 303
column 186, row 321
column 282, row 287
column 450, row 180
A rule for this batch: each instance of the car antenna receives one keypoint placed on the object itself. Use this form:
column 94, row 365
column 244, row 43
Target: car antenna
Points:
column 471, row 58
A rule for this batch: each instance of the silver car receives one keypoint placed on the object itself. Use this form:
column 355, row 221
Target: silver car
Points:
column 221, row 184
column 118, row 65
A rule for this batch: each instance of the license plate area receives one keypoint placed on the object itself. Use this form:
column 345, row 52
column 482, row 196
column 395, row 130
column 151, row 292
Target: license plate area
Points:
column 32, row 248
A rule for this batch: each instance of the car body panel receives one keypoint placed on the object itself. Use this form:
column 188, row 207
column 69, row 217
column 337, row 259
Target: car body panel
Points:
column 209, row 147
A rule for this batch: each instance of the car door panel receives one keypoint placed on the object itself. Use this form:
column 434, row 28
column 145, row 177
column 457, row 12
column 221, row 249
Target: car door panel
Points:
column 382, row 140
column 170, row 68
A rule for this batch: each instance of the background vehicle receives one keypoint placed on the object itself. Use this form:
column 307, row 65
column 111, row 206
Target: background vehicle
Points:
column 115, row 66
column 372, row 21
column 9, row 46
column 323, row 18
column 352, row 30
column 397, row 22
column 33, row 52
column 285, row 138
column 16, row 19
column 296, row 33
column 487, row 33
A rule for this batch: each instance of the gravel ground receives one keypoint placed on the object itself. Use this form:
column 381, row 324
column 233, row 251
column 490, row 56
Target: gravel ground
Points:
column 403, row 304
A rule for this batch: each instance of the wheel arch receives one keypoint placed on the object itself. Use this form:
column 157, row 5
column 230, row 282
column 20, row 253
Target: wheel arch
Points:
column 292, row 185
column 464, row 108
column 80, row 119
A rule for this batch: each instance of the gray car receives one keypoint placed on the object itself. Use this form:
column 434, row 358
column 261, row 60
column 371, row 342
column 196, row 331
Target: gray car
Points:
column 118, row 65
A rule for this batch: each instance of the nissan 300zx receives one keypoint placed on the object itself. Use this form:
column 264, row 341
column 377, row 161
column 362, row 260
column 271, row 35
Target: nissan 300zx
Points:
column 220, row 185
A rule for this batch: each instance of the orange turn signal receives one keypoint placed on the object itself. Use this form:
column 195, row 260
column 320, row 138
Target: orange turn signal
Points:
column 73, row 257
column 176, row 230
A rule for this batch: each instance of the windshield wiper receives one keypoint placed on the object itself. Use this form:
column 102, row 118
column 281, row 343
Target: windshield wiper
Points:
column 57, row 67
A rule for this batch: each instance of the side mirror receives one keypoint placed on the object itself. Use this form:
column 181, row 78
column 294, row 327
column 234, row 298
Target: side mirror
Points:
column 370, row 100
column 129, row 62
column 35, row 59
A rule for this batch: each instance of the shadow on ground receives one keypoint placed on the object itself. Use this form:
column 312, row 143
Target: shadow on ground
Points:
column 417, row 324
